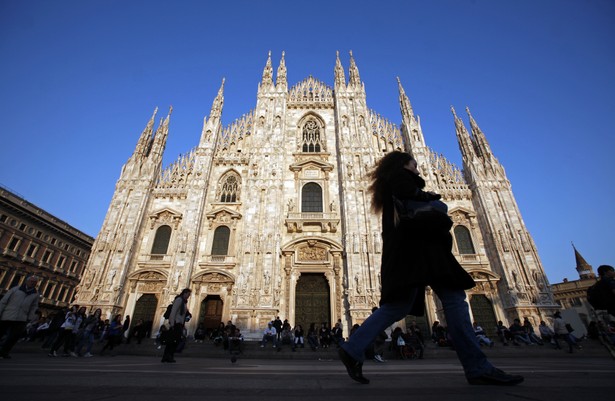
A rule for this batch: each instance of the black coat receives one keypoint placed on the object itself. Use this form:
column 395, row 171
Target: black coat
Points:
column 414, row 256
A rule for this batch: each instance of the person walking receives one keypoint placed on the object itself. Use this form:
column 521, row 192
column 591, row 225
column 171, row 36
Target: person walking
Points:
column 177, row 320
column 92, row 326
column 17, row 307
column 416, row 253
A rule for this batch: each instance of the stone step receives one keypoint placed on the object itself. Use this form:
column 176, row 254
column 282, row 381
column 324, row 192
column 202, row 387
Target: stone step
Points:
column 252, row 350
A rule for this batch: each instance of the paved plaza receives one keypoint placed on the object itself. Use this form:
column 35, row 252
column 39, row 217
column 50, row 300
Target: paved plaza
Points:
column 549, row 376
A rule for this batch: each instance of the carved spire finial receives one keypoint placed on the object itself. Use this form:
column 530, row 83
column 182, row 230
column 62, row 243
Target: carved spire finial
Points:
column 143, row 144
column 267, row 80
column 340, row 78
column 404, row 102
column 216, row 107
column 281, row 77
column 353, row 72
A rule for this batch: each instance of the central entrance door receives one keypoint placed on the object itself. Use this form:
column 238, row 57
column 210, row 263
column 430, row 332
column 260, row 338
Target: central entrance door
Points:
column 483, row 314
column 312, row 300
column 211, row 312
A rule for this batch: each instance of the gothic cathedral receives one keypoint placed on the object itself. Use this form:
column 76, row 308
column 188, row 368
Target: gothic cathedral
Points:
column 269, row 216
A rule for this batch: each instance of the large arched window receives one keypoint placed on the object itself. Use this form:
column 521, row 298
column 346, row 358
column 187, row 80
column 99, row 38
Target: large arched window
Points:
column 312, row 142
column 161, row 240
column 221, row 239
column 464, row 240
column 229, row 188
column 311, row 198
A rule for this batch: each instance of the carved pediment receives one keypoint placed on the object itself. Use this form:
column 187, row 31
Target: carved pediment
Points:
column 311, row 164
column 213, row 277
column 467, row 213
column 483, row 275
column 223, row 215
column 149, row 275
column 165, row 216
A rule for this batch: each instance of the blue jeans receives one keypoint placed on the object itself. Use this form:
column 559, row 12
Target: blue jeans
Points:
column 460, row 328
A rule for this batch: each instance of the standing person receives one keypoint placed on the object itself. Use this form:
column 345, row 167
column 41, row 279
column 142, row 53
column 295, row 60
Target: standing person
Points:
column 114, row 334
column 17, row 307
column 125, row 328
column 607, row 282
column 417, row 253
column 177, row 320
column 277, row 323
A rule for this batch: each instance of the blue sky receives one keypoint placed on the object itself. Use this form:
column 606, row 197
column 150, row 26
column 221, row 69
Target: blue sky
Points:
column 80, row 79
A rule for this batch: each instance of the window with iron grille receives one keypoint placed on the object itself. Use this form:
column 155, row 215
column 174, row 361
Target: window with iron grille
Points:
column 161, row 241
column 311, row 198
column 222, row 236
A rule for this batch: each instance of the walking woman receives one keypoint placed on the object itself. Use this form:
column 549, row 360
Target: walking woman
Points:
column 177, row 319
column 416, row 253
column 65, row 336
column 92, row 327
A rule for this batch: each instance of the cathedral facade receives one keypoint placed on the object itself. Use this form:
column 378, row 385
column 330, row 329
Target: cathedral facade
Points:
column 270, row 215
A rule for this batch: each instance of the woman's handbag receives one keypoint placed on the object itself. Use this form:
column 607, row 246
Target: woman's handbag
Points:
column 429, row 214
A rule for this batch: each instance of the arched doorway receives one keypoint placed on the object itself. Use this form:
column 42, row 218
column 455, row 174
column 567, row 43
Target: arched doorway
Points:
column 145, row 310
column 211, row 312
column 312, row 300
column 483, row 314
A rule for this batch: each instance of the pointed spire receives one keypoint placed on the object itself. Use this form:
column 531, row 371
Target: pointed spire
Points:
column 160, row 138
column 216, row 107
column 585, row 269
column 267, row 73
column 146, row 136
column 463, row 137
column 281, row 76
column 353, row 72
column 479, row 138
column 404, row 102
column 340, row 78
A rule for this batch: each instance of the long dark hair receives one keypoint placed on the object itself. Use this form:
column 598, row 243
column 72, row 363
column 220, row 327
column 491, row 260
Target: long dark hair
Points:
column 184, row 291
column 381, row 175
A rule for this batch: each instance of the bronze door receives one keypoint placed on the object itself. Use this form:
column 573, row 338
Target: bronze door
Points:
column 145, row 310
column 483, row 314
column 211, row 312
column 312, row 300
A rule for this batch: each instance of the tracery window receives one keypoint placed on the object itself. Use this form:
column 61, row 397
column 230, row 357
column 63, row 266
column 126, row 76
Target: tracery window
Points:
column 161, row 240
column 229, row 189
column 464, row 240
column 311, row 198
column 221, row 240
column 311, row 137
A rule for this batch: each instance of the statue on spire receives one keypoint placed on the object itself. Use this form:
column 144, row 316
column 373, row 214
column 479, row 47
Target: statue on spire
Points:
column 404, row 102
column 267, row 73
column 216, row 107
column 353, row 72
column 281, row 77
column 340, row 78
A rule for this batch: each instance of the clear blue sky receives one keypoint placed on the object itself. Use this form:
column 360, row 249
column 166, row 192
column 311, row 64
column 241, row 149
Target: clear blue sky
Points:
column 80, row 79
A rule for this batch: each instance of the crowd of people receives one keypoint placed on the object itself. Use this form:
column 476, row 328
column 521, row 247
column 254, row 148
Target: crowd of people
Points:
column 74, row 331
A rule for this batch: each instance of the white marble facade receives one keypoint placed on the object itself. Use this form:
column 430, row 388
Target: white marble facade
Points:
column 284, row 188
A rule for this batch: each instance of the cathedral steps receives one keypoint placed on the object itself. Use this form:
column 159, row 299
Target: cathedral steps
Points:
column 252, row 350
